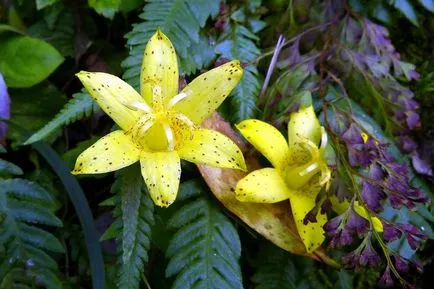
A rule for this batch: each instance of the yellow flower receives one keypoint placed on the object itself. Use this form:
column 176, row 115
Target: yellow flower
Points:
column 158, row 127
column 299, row 173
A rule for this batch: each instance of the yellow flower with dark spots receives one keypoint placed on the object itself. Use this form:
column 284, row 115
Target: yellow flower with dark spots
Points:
column 160, row 126
column 299, row 170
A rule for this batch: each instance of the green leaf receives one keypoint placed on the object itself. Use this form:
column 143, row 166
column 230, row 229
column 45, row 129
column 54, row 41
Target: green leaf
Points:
column 407, row 9
column 181, row 22
column 80, row 106
column 238, row 43
column 57, row 29
column 26, row 61
column 21, row 188
column 9, row 168
column 41, row 4
column 204, row 252
column 134, row 218
column 108, row 8
column 8, row 28
column 428, row 4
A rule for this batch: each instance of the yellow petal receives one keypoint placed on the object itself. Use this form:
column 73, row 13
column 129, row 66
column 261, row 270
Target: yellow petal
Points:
column 110, row 153
column 211, row 148
column 207, row 91
column 159, row 68
column 161, row 171
column 302, row 201
column 376, row 223
column 304, row 125
column 262, row 186
column 113, row 95
column 266, row 139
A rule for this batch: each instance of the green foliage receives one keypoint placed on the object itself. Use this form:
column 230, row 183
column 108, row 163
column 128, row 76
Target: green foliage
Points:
column 24, row 246
column 80, row 106
column 26, row 61
column 132, row 226
column 204, row 252
column 238, row 42
column 181, row 22
column 41, row 4
column 108, row 8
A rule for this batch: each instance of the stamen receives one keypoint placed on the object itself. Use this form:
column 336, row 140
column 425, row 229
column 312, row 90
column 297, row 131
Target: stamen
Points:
column 144, row 127
column 169, row 136
column 177, row 98
column 138, row 105
column 308, row 170
column 324, row 139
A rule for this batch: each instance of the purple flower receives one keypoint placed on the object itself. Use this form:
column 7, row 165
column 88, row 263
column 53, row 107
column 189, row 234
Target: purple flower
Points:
column 5, row 107
column 413, row 119
column 390, row 232
column 351, row 260
column 413, row 235
column 353, row 135
column 400, row 263
column 406, row 143
column 369, row 256
column 356, row 224
column 339, row 237
column 386, row 279
column 372, row 195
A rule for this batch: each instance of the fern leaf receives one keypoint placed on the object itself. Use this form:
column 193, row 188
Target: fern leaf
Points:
column 80, row 106
column 205, row 250
column 23, row 246
column 281, row 270
column 133, row 219
column 181, row 21
column 238, row 42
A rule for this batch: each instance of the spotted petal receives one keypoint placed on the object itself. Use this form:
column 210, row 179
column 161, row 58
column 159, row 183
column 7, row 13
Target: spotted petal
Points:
column 304, row 125
column 262, row 186
column 110, row 153
column 113, row 95
column 303, row 201
column 266, row 139
column 207, row 91
column 161, row 171
column 159, row 68
column 211, row 148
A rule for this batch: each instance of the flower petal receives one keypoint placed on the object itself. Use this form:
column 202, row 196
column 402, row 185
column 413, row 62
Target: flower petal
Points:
column 161, row 171
column 262, row 186
column 207, row 91
column 376, row 223
column 211, row 148
column 110, row 153
column 113, row 95
column 159, row 68
column 304, row 125
column 266, row 139
column 302, row 202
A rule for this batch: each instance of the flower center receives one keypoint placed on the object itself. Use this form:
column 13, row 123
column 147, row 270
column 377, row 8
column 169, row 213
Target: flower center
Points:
column 307, row 161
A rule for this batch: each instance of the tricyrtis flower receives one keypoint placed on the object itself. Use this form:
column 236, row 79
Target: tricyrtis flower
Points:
column 299, row 173
column 159, row 126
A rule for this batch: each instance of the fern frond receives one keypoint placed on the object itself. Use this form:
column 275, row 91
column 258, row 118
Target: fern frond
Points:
column 281, row 270
column 23, row 246
column 181, row 21
column 80, row 106
column 132, row 226
column 205, row 250
column 9, row 168
column 238, row 42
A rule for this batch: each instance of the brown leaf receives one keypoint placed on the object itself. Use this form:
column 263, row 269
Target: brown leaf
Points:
column 273, row 221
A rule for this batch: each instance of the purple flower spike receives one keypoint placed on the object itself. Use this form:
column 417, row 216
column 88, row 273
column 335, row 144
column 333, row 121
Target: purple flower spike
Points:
column 369, row 256
column 372, row 195
column 5, row 107
column 400, row 263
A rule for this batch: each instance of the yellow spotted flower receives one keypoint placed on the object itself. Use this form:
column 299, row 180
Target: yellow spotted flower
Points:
column 160, row 126
column 299, row 173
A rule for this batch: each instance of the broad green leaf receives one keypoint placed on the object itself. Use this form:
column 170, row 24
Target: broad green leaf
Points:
column 407, row 9
column 9, row 168
column 26, row 61
column 41, row 4
column 108, row 8
column 9, row 28
column 428, row 4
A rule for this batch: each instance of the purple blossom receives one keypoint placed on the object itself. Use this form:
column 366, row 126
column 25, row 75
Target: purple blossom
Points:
column 356, row 224
column 5, row 107
column 390, row 232
column 386, row 279
column 339, row 237
column 406, row 144
column 372, row 195
column 353, row 135
column 369, row 256
column 400, row 263
column 413, row 119
column 351, row 259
